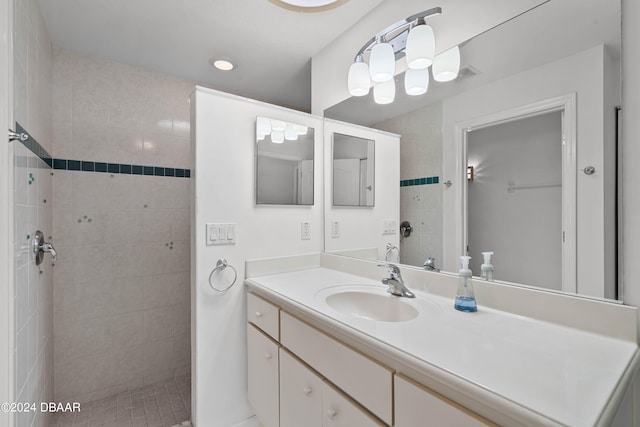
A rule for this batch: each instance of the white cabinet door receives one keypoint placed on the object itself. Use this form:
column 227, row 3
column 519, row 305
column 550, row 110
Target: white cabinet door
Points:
column 340, row 411
column 416, row 406
column 300, row 394
column 262, row 367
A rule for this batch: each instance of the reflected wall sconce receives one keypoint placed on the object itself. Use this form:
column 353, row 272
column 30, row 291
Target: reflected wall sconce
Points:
column 469, row 173
column 277, row 130
column 412, row 39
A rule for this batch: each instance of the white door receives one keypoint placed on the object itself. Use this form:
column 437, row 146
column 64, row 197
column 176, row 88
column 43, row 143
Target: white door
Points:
column 514, row 201
column 346, row 182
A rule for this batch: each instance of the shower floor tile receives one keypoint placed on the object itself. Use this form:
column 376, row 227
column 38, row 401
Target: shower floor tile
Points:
column 164, row 404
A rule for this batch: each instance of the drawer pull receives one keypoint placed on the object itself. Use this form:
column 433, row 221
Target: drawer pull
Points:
column 268, row 356
column 307, row 391
column 258, row 314
column 331, row 413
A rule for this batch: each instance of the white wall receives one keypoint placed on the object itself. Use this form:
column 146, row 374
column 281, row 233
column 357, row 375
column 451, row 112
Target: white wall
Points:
column 630, row 244
column 362, row 227
column 33, row 286
column 582, row 73
column 6, row 215
column 223, row 146
column 460, row 21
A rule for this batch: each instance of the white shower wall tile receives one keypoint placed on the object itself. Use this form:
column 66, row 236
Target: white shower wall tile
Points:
column 122, row 287
column 420, row 157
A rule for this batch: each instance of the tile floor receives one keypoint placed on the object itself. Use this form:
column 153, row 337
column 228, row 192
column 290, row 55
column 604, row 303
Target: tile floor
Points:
column 164, row 404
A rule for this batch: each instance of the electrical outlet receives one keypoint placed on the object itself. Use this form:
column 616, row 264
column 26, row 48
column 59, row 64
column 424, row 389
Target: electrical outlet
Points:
column 335, row 230
column 389, row 226
column 305, row 233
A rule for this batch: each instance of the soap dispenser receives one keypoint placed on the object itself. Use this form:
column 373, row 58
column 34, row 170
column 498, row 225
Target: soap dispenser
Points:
column 465, row 299
column 487, row 268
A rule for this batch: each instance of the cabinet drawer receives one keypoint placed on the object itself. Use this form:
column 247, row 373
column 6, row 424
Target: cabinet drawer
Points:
column 365, row 380
column 263, row 377
column 264, row 315
column 339, row 411
column 417, row 406
column 300, row 394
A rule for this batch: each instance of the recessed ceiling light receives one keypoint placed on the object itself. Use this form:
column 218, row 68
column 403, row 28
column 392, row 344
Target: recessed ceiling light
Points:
column 308, row 5
column 221, row 64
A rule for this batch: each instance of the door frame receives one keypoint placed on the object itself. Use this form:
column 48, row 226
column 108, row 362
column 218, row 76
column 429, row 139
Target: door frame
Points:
column 6, row 213
column 567, row 105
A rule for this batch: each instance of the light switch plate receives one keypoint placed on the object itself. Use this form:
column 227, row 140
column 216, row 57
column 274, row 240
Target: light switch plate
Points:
column 221, row 234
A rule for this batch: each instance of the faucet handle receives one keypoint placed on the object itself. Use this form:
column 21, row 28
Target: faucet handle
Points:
column 394, row 270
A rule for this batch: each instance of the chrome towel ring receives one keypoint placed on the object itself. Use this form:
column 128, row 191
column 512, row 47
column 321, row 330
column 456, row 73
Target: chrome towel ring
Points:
column 222, row 265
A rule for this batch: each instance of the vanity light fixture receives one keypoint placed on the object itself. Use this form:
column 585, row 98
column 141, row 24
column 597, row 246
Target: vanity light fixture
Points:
column 278, row 130
column 413, row 39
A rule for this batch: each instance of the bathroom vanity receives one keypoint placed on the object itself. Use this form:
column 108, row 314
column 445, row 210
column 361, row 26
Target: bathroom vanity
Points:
column 327, row 346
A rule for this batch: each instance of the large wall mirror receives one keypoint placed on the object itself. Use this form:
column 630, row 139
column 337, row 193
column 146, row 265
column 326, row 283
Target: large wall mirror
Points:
column 284, row 163
column 561, row 49
column 353, row 171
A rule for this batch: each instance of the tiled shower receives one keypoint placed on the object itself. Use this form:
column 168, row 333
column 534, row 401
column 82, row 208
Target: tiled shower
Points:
column 420, row 185
column 108, row 182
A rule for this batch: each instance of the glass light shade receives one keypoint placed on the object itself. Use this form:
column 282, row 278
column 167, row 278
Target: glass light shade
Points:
column 300, row 129
column 382, row 62
column 447, row 65
column 416, row 82
column 421, row 47
column 385, row 92
column 290, row 133
column 263, row 125
column 358, row 80
column 277, row 136
column 260, row 136
column 278, row 125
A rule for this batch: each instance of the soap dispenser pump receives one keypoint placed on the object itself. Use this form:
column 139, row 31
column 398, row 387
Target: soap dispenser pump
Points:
column 465, row 299
column 487, row 268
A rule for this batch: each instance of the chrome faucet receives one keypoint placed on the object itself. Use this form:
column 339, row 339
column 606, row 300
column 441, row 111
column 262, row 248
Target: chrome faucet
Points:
column 430, row 264
column 395, row 282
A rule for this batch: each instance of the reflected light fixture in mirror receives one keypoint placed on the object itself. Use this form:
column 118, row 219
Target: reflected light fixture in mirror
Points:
column 385, row 92
column 447, row 65
column 413, row 39
column 278, row 130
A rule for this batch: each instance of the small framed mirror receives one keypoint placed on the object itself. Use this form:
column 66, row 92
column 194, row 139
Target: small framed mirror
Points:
column 284, row 163
column 353, row 171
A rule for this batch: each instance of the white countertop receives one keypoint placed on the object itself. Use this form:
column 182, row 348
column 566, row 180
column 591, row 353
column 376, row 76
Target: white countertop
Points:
column 562, row 374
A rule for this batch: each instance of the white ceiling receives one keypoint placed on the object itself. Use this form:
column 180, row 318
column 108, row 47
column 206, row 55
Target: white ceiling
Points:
column 270, row 46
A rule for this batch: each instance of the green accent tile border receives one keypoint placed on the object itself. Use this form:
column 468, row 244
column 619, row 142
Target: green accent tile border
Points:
column 419, row 181
column 92, row 166
column 34, row 146
column 113, row 168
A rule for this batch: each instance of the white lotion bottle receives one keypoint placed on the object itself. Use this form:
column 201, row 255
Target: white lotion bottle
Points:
column 487, row 268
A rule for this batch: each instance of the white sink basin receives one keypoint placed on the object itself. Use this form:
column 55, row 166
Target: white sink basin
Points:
column 372, row 306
